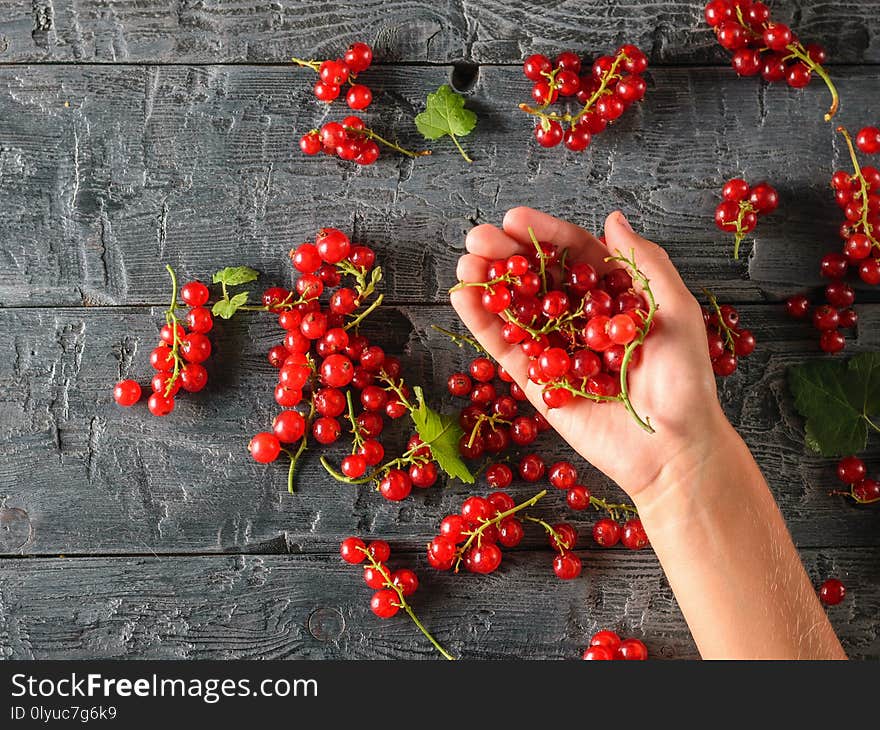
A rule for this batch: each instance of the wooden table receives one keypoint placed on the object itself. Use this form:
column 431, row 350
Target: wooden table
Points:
column 134, row 136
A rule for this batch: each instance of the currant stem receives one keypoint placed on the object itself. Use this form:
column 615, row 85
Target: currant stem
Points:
column 357, row 439
column 404, row 605
column 475, row 534
column 460, row 148
column 303, row 445
column 172, row 320
column 543, row 270
column 461, row 340
column 370, row 134
column 611, row 508
column 366, row 313
column 314, row 65
column 563, row 545
column 635, row 273
column 729, row 334
column 799, row 52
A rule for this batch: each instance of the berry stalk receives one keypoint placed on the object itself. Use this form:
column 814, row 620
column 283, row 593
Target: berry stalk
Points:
column 477, row 532
column 403, row 603
column 370, row 134
column 172, row 321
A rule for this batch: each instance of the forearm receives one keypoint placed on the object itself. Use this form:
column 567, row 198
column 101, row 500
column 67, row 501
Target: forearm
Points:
column 730, row 561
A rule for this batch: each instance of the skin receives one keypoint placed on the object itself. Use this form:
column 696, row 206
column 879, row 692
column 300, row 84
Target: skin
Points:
column 703, row 501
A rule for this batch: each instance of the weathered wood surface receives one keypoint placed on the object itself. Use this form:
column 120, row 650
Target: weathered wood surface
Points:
column 89, row 477
column 498, row 31
column 288, row 607
column 108, row 172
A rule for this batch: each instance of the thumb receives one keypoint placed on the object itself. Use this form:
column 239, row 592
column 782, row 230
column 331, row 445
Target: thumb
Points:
column 651, row 259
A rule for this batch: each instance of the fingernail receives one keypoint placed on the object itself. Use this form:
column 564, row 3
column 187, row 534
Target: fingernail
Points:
column 624, row 222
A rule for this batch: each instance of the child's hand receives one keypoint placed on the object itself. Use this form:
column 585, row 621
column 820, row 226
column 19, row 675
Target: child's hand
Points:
column 673, row 384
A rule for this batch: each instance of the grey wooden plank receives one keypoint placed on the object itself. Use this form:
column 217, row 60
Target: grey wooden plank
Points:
column 78, row 475
column 486, row 32
column 316, row 607
column 106, row 173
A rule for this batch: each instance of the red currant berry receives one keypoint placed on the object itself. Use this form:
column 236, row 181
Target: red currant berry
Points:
column 608, row 639
column 851, row 469
column 797, row 306
column 578, row 497
column 359, row 96
column 395, row 485
column 499, row 476
column 406, row 581
column 194, row 293
column 326, row 430
column 832, row 341
column 552, row 135
column 384, row 603
column 288, row 426
column 598, row 653
column 832, row 592
column 485, row 558
column 193, row 377
column 310, row 143
column 606, row 532
column 826, row 318
column 563, row 475
column 423, row 475
column 264, row 447
column 333, row 245
column 633, row 535
column 352, row 550
column 532, row 468
column 868, row 140
column 632, row 650
column 358, row 57
column 127, row 392
column 567, row 566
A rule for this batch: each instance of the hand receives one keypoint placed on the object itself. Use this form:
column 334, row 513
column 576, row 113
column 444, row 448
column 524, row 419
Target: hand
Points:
column 673, row 384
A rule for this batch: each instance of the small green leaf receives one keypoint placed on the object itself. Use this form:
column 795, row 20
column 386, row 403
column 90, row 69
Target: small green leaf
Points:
column 442, row 433
column 235, row 275
column 445, row 114
column 837, row 400
column 225, row 308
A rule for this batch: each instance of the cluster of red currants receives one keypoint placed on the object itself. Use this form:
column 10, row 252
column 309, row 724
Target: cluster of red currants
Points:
column 607, row 645
column 178, row 358
column 492, row 420
column 475, row 535
column 349, row 140
column 741, row 206
column 391, row 587
column 581, row 331
column 727, row 340
column 604, row 90
column 333, row 74
column 763, row 46
column 387, row 584
column 858, row 194
column 851, row 471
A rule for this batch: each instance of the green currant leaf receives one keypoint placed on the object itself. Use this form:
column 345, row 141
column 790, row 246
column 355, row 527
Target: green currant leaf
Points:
column 837, row 400
column 442, row 433
column 445, row 114
column 225, row 308
column 235, row 275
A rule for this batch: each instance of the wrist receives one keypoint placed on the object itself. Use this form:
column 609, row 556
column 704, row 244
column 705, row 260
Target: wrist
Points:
column 696, row 474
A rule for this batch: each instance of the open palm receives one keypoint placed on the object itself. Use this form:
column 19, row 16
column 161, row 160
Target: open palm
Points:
column 673, row 385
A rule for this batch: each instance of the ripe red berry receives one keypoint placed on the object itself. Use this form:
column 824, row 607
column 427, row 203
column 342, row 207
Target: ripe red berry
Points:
column 264, row 447
column 127, row 392
column 632, row 650
column 326, row 430
column 633, row 535
column 333, row 245
column 160, row 405
column 832, row 341
column 826, row 318
column 406, row 581
column 441, row 552
column 536, row 65
column 288, row 426
column 598, row 653
column 194, row 293
column 384, row 603
column 797, row 306
column 551, row 135
column 358, row 57
column 608, row 639
column 351, row 550
column 563, row 475
column 359, row 96
column 868, row 140
column 777, row 36
column 424, row 475
column 764, row 198
column 606, row 532
column 310, row 143
column 510, row 531
column 475, row 510
column 567, row 566
column 395, row 485
column 193, row 377
column 832, row 592
column 578, row 497
column 851, row 469
column 532, row 468
column 499, row 476
column 485, row 558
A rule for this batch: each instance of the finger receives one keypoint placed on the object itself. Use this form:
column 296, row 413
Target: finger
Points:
column 582, row 244
column 486, row 328
column 491, row 242
column 472, row 268
column 651, row 259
